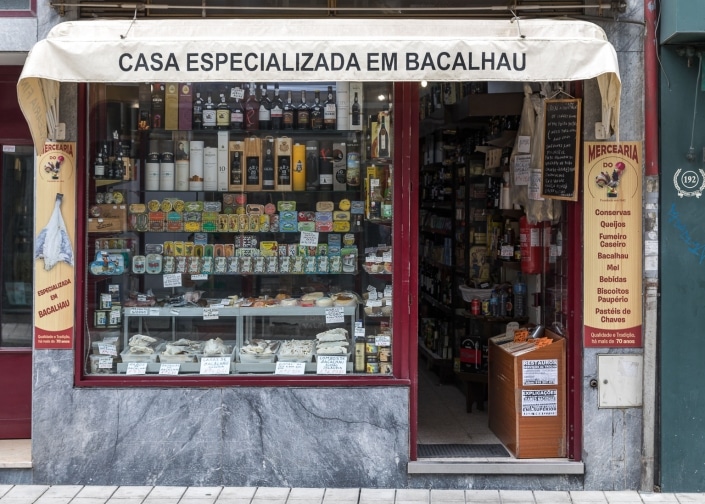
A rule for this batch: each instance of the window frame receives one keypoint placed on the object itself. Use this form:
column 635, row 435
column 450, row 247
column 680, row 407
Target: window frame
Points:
column 30, row 12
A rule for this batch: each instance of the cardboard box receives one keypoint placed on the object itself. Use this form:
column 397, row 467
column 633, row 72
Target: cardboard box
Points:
column 527, row 399
column 185, row 106
column 493, row 156
column 223, row 163
column 171, row 112
column 113, row 212
column 101, row 225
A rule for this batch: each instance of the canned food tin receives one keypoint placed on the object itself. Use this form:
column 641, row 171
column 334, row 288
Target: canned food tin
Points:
column 371, row 347
column 385, row 354
column 101, row 318
column 485, row 307
column 475, row 306
column 372, row 365
column 385, row 367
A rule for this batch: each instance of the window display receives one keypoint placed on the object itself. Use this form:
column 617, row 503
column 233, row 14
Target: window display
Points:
column 230, row 231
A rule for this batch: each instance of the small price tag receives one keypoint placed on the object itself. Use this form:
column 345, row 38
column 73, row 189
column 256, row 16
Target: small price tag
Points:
column 136, row 368
column 359, row 331
column 331, row 364
column 309, row 238
column 387, row 256
column 507, row 251
column 215, row 365
column 237, row 92
column 154, row 312
column 335, row 315
column 523, row 144
column 374, row 303
column 105, row 349
column 172, row 280
column 138, row 312
column 196, row 278
column 388, row 291
column 383, row 340
column 105, row 362
column 330, row 108
column 210, row 313
column 290, row 368
column 169, row 368
column 174, row 311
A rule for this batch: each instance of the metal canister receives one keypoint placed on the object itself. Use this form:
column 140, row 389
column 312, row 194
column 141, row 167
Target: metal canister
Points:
column 385, row 354
column 372, row 364
column 475, row 306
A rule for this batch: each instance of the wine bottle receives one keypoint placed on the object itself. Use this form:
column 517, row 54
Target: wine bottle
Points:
column 209, row 113
column 268, row 165
column 312, row 166
column 158, row 91
column 325, row 167
column 198, row 112
column 330, row 115
column 383, row 140
column 303, row 113
column 265, row 109
column 237, row 111
column 236, row 169
column 252, row 109
column 277, row 109
column 222, row 114
column 99, row 166
column 355, row 112
column 316, row 113
column 288, row 113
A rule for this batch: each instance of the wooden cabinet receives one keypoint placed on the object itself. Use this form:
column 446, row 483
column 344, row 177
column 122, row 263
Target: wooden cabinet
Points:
column 527, row 399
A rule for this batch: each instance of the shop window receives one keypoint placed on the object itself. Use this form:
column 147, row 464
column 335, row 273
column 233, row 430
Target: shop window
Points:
column 239, row 230
column 18, row 8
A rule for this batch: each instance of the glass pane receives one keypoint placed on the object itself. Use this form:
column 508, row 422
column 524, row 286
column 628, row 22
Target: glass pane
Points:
column 17, row 263
column 258, row 226
column 15, row 5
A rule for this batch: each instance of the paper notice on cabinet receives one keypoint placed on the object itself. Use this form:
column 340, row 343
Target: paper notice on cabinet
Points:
column 539, row 402
column 540, row 372
column 522, row 169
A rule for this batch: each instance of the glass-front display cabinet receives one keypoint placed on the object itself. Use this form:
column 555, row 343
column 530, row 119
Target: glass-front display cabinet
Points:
column 239, row 229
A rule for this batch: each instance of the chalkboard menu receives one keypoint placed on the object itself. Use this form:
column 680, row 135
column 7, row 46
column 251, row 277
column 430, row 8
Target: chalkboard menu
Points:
column 561, row 149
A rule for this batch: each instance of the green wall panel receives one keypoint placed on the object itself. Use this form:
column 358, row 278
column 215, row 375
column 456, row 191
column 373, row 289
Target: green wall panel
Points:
column 682, row 266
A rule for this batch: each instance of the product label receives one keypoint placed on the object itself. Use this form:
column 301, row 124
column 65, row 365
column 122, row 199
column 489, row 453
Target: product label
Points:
column 253, row 170
column 209, row 119
column 284, row 173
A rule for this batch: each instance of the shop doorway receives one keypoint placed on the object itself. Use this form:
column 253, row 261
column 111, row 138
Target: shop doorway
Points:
column 470, row 250
column 16, row 263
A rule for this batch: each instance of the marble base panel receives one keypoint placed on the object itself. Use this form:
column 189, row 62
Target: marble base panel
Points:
column 240, row 436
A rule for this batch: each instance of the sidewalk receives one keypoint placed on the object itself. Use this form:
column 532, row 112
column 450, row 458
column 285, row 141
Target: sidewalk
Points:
column 78, row 494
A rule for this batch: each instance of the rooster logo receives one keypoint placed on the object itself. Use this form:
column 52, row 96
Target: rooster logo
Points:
column 611, row 182
column 54, row 167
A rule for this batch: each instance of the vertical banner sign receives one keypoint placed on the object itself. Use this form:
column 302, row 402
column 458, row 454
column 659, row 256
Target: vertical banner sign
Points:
column 54, row 245
column 612, row 240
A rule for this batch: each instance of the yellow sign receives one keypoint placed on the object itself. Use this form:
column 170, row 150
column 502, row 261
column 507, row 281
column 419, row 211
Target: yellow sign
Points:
column 55, row 218
column 612, row 240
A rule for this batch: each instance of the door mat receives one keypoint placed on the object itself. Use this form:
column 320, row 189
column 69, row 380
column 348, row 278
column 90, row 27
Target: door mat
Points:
column 460, row 450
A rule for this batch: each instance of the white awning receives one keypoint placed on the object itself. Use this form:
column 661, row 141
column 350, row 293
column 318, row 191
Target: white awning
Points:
column 296, row 50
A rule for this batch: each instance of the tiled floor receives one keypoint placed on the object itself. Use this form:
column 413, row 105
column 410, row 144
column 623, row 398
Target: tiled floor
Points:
column 442, row 417
column 73, row 494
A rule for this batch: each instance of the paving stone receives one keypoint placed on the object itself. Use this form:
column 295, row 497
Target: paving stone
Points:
column 588, row 497
column 555, row 497
column 63, row 491
column 447, row 496
column 341, row 496
column 482, row 496
column 132, row 492
column 516, row 496
column 26, row 492
column 649, row 497
column 687, row 498
column 96, row 492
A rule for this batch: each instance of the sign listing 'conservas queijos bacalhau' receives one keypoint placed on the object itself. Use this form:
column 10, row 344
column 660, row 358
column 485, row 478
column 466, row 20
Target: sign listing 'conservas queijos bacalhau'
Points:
column 612, row 240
